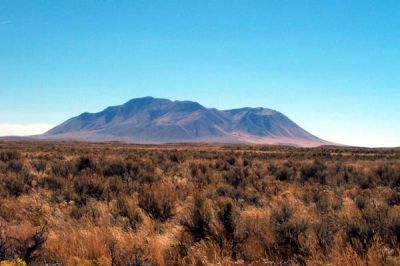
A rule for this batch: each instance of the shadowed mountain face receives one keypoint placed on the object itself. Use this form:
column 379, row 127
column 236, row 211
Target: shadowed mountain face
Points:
column 151, row 120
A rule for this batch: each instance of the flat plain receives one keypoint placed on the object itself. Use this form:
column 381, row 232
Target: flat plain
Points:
column 76, row 203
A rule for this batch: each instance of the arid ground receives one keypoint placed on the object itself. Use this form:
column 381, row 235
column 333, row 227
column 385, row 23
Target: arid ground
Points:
column 118, row 204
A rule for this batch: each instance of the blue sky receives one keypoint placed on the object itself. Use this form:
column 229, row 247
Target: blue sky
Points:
column 331, row 66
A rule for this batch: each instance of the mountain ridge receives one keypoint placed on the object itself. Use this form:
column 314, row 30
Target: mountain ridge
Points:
column 156, row 120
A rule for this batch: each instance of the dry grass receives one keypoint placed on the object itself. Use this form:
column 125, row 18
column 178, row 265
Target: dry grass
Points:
column 115, row 204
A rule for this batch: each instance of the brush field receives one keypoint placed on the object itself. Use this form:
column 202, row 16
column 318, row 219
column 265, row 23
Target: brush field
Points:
column 70, row 203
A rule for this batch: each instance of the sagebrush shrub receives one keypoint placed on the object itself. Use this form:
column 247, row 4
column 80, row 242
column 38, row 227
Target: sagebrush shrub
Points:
column 85, row 163
column 199, row 223
column 158, row 200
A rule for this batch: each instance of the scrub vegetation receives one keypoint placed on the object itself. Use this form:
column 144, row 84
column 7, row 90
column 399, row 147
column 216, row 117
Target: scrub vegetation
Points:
column 116, row 204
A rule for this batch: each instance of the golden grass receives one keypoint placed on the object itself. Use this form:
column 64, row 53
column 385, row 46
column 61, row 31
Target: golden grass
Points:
column 115, row 204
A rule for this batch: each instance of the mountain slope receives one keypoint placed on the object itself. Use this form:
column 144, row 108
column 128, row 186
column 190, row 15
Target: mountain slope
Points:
column 151, row 120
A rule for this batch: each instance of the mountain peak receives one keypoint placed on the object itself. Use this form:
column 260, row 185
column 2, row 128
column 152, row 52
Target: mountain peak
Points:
column 145, row 100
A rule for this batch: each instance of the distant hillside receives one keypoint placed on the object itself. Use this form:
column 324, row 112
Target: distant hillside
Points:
column 151, row 120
